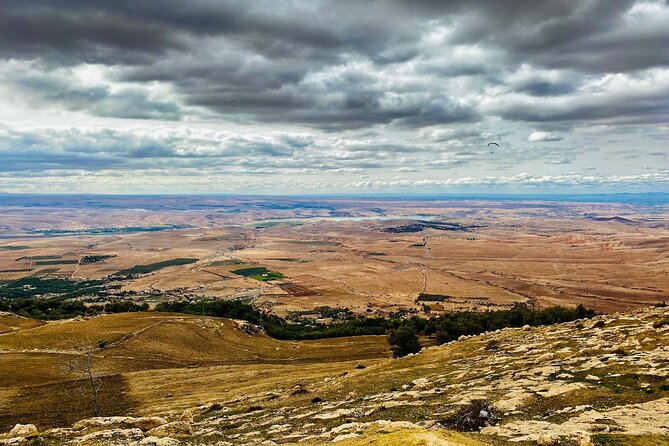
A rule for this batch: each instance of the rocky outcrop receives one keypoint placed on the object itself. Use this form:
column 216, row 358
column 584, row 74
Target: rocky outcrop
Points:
column 174, row 429
column 23, row 430
column 143, row 423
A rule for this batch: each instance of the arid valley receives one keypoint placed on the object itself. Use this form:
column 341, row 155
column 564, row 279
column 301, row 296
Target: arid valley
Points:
column 370, row 256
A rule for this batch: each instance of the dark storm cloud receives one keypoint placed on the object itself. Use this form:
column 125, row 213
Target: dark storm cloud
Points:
column 300, row 62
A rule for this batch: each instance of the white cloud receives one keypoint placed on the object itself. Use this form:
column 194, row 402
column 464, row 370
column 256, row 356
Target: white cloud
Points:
column 543, row 136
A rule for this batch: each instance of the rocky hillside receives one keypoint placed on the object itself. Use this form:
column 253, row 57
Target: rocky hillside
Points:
column 602, row 381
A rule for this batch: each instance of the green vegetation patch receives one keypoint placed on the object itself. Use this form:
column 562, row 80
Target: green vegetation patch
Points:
column 95, row 259
column 57, row 308
column 258, row 273
column 252, row 271
column 39, row 258
column 268, row 276
column 287, row 259
column 13, row 247
column 629, row 440
column 34, row 286
column 619, row 382
column 423, row 297
column 57, row 262
column 112, row 230
column 151, row 267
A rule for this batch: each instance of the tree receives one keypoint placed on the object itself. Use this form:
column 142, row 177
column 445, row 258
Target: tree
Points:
column 82, row 365
column 404, row 341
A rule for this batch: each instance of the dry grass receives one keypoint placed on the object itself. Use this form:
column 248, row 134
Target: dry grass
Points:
column 150, row 355
column 11, row 323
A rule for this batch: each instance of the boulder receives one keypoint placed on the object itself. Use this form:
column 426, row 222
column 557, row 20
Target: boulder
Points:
column 143, row 423
column 345, row 437
column 187, row 416
column 421, row 384
column 175, row 429
column 23, row 430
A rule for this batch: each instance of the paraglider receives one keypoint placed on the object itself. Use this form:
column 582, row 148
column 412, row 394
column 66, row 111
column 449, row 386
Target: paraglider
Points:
column 233, row 101
column 493, row 144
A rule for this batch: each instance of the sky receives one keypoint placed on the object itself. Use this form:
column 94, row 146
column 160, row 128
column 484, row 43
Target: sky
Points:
column 341, row 96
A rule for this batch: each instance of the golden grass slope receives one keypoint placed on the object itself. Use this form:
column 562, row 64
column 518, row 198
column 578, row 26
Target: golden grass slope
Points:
column 10, row 323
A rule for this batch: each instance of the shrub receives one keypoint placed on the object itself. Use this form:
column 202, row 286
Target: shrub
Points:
column 492, row 345
column 662, row 323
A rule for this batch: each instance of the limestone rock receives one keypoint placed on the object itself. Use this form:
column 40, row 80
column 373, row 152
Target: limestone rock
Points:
column 23, row 430
column 187, row 416
column 175, row 429
column 112, row 437
column 155, row 441
column 143, row 423
column 421, row 384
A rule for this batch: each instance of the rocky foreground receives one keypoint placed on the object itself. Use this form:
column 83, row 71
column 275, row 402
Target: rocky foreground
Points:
column 589, row 382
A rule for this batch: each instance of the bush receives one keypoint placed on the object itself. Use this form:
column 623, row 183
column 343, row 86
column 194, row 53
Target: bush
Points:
column 472, row 417
column 450, row 326
column 492, row 345
column 404, row 341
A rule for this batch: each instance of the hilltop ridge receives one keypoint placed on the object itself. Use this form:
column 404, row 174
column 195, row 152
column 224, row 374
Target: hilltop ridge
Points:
column 596, row 381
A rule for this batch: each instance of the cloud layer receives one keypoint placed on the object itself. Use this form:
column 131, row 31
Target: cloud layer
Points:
column 374, row 89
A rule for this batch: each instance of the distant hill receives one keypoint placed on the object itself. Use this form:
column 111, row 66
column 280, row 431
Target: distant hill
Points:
column 615, row 219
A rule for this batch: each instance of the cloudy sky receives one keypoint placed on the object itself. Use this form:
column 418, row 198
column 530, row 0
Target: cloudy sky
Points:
column 311, row 96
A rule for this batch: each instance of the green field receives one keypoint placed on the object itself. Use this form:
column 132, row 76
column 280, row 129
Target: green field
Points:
column 33, row 286
column 252, row 271
column 151, row 267
column 57, row 262
column 258, row 273
column 268, row 276
column 13, row 247
column 39, row 258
